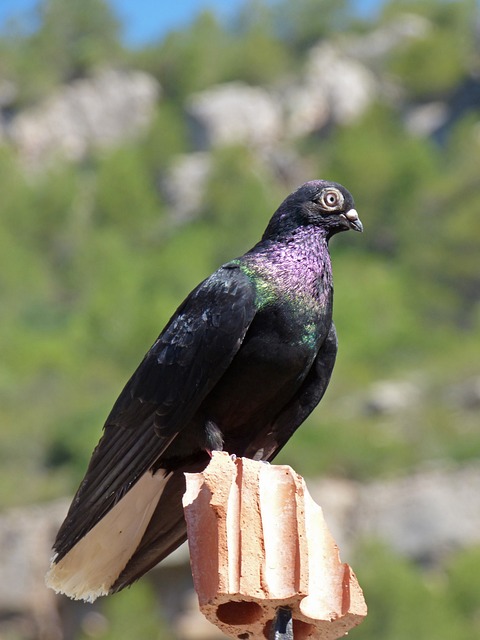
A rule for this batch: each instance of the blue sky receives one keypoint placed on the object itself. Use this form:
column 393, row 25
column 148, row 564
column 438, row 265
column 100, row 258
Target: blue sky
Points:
column 146, row 20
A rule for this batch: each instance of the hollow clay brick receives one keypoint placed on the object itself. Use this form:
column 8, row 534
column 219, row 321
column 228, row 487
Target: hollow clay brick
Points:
column 258, row 541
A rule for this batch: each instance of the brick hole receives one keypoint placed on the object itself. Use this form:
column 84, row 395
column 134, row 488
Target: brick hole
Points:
column 239, row 613
column 302, row 630
column 266, row 629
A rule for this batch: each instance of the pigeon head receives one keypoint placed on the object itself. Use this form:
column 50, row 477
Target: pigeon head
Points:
column 319, row 203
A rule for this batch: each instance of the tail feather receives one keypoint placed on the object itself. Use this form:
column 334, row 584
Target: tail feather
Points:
column 166, row 531
column 120, row 459
column 95, row 562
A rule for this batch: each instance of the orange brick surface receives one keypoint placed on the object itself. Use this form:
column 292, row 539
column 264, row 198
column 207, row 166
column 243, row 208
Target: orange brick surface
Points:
column 258, row 541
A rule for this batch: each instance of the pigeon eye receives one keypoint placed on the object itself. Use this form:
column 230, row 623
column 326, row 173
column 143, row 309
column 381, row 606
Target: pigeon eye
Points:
column 331, row 199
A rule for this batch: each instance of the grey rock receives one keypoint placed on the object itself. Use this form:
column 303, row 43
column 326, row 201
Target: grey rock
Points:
column 234, row 113
column 381, row 41
column 335, row 88
column 423, row 516
column 339, row 83
column 184, row 184
column 26, row 536
column 90, row 113
column 391, row 396
column 306, row 109
column 423, row 120
column 25, row 548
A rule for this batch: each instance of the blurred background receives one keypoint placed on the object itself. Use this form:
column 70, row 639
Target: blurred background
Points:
column 140, row 147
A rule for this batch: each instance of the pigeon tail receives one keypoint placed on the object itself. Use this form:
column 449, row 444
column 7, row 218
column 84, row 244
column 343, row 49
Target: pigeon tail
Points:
column 92, row 566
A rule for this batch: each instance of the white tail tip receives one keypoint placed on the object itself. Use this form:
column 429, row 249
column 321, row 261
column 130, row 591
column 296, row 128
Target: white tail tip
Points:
column 92, row 566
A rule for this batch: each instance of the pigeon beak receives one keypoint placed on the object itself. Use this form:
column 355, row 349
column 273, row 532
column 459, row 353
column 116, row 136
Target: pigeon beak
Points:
column 352, row 220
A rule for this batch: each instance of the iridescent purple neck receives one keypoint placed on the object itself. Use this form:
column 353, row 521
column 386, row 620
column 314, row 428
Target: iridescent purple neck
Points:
column 298, row 264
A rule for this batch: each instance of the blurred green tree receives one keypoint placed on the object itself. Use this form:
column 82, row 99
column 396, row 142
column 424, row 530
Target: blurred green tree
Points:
column 404, row 602
column 70, row 40
column 431, row 63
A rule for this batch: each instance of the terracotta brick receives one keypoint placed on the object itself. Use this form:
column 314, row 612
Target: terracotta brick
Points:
column 258, row 541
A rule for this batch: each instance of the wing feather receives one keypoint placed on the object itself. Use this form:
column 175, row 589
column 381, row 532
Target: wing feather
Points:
column 185, row 362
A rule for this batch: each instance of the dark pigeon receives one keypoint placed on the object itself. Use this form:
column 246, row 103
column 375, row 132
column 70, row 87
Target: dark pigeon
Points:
column 240, row 365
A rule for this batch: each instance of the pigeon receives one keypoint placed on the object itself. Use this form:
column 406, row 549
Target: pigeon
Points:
column 240, row 365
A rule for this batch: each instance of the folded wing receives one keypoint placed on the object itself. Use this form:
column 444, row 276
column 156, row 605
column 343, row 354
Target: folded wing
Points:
column 125, row 480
